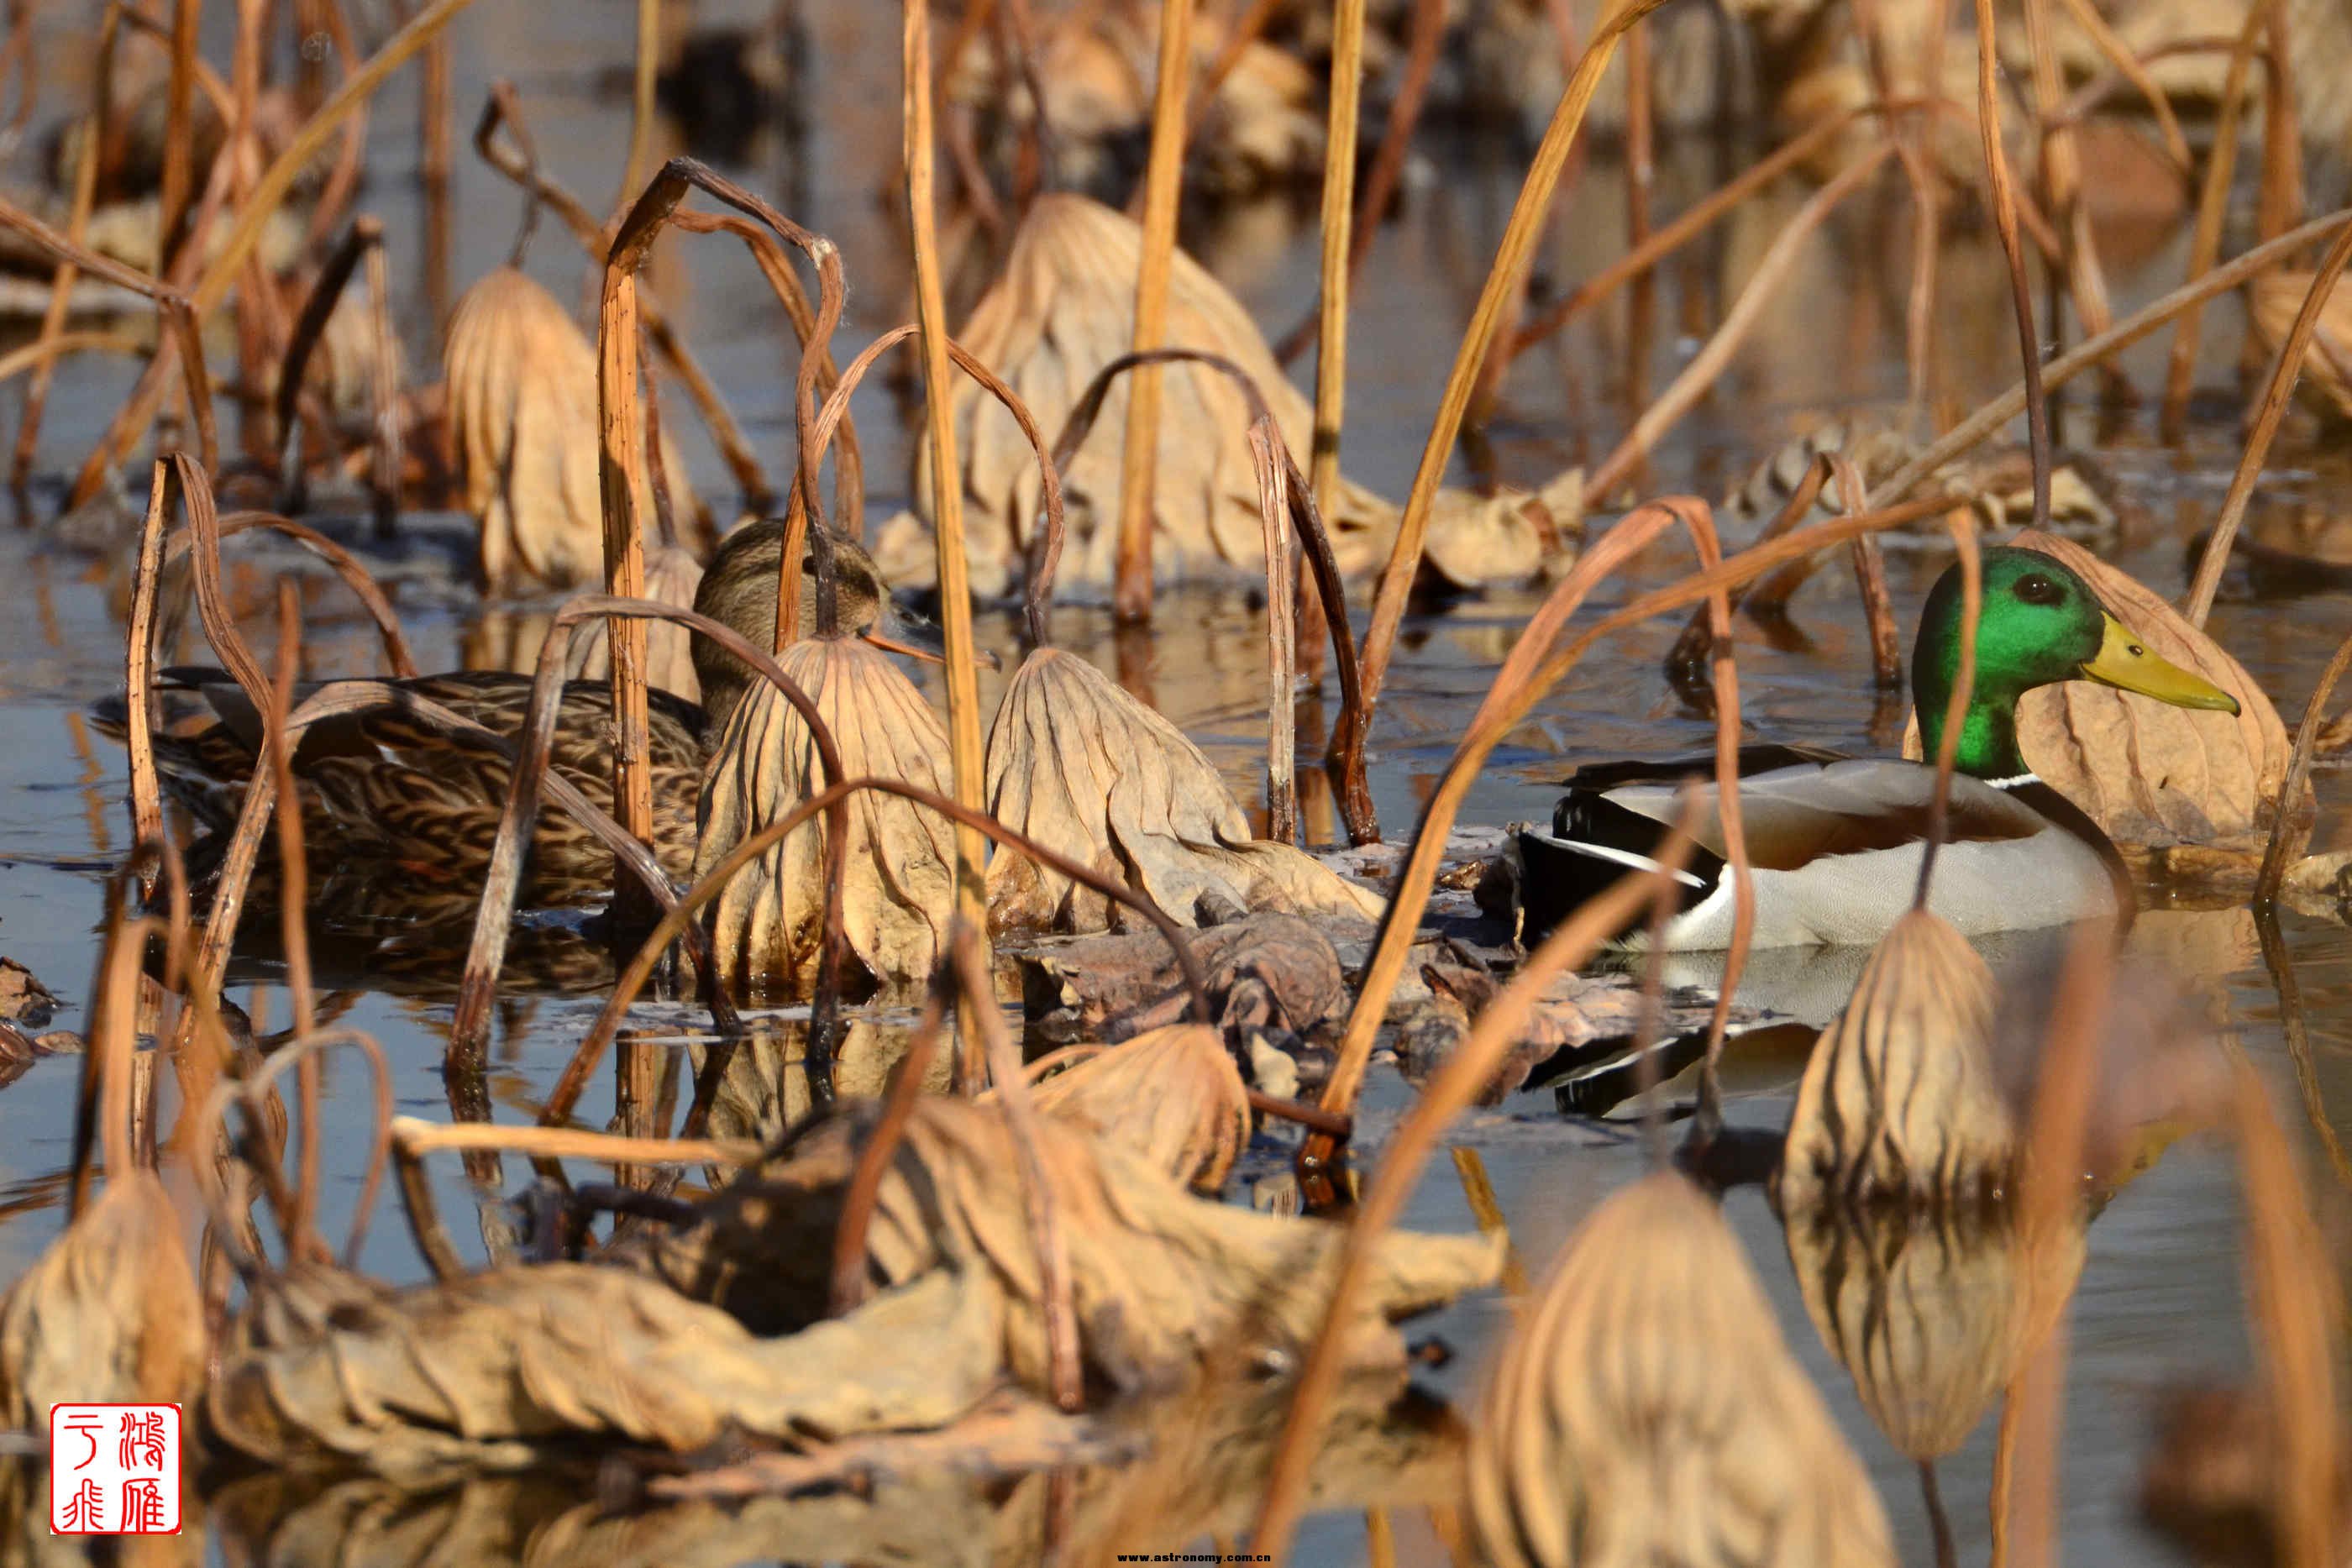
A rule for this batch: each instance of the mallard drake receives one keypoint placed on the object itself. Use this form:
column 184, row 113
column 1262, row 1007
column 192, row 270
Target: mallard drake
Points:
column 1836, row 841
column 384, row 786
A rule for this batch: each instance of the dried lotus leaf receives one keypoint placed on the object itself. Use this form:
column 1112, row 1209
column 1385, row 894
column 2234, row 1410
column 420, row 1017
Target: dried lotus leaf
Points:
column 1079, row 765
column 1901, row 1098
column 1065, row 309
column 1171, row 1096
column 2274, row 301
column 109, row 1313
column 767, row 927
column 1932, row 1314
column 673, row 577
column 2147, row 772
column 1645, row 1409
column 1163, row 1282
column 523, row 419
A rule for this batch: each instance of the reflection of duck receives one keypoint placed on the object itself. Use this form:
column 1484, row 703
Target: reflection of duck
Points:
column 1837, row 841
column 383, row 786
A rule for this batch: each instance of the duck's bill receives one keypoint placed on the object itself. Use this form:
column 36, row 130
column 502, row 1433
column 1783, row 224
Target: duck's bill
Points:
column 919, row 641
column 2126, row 663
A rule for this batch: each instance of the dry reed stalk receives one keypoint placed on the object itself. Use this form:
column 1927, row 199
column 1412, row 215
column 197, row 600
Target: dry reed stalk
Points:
column 494, row 916
column 138, row 666
column 1525, row 677
column 1065, row 1376
column 1511, row 259
column 421, row 1137
column 348, row 567
column 227, row 261
column 1641, row 136
column 179, row 143
column 2050, row 1205
column 1450, row 1092
column 575, row 1075
column 1162, row 179
column 85, row 193
column 1355, row 798
column 2212, row 203
column 2003, row 195
column 177, row 313
column 294, row 898
column 1992, row 416
column 874, row 1156
column 383, row 388
column 1724, row 680
column 642, row 118
column 1424, row 33
column 2298, row 769
column 1268, row 450
column 365, row 234
column 947, row 489
column 500, row 109
column 2297, row 1308
column 1709, row 363
column 2286, row 367
column 1337, row 225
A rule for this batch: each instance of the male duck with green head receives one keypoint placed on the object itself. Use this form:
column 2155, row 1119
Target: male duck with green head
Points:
column 1837, row 842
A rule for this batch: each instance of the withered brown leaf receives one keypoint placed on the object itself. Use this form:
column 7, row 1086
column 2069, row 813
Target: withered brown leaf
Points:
column 1172, row 1097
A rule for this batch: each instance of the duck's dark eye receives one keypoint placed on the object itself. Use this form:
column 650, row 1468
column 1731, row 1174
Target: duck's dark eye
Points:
column 2035, row 588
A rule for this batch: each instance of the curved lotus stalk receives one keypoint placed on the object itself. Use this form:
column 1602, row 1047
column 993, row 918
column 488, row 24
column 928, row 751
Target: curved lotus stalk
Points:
column 522, row 416
column 899, row 886
column 1081, row 765
column 1932, row 1314
column 673, row 577
column 2272, row 301
column 1645, row 1409
column 1063, row 310
column 1901, row 1098
column 1173, row 1097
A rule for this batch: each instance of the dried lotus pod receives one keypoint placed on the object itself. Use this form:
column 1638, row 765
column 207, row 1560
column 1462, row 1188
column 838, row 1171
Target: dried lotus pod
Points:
column 108, row 1313
column 1901, row 1098
column 673, row 577
column 1063, row 310
column 1932, row 1314
column 1083, row 768
column 2273, row 301
column 523, row 419
column 899, row 891
column 1645, row 1409
column 1171, row 1096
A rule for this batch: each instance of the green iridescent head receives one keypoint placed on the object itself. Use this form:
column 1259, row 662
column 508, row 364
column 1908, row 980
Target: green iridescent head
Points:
column 2040, row 624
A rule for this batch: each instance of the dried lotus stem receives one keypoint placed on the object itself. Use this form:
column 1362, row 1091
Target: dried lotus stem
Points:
column 1164, row 176
column 294, row 896
column 1709, row 363
column 1511, row 261
column 1964, row 681
column 2298, row 769
column 494, row 916
column 1064, row 1374
column 226, row 261
column 365, row 235
column 416, row 1137
column 2002, row 192
column 179, row 145
column 632, row 979
column 138, row 666
column 383, row 388
column 1450, row 1092
column 346, row 566
column 85, row 193
column 2285, row 367
column 1992, row 414
column 2279, row 202
column 1355, row 719
column 1281, row 629
column 1337, row 222
column 2212, row 208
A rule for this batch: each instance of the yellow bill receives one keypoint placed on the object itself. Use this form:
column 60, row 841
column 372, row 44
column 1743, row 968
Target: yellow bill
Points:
column 2124, row 663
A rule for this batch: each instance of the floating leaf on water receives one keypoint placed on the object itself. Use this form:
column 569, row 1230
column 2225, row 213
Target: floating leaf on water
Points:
column 1173, row 1097
column 1063, row 309
column 109, row 1313
column 2273, row 301
column 1079, row 765
column 767, row 928
column 1164, row 1282
column 1932, row 1314
column 523, row 418
column 1901, row 1100
column 1645, row 1409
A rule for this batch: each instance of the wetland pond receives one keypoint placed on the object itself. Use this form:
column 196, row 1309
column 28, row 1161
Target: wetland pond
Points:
column 2160, row 1297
